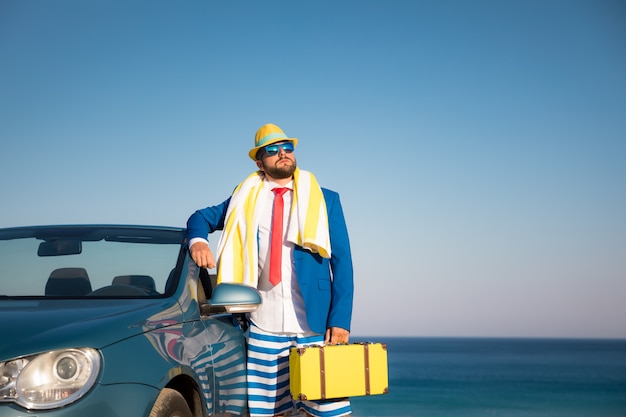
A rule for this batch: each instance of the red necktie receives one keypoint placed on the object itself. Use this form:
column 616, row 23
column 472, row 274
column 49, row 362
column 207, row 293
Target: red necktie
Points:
column 276, row 239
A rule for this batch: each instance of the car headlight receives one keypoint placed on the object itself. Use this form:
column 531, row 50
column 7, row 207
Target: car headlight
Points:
column 49, row 380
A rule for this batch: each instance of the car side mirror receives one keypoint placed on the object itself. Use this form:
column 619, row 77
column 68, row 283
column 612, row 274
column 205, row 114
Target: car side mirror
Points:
column 231, row 298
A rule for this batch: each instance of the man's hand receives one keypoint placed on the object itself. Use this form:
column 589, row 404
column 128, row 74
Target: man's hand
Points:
column 337, row 336
column 202, row 255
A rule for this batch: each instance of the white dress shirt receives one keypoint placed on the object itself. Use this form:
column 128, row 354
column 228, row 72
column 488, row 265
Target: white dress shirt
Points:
column 282, row 309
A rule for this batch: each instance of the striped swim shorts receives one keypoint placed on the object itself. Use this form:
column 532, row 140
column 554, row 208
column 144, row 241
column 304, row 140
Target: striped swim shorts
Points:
column 268, row 377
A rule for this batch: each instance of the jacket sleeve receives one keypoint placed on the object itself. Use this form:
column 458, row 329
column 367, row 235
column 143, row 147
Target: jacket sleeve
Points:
column 207, row 220
column 340, row 314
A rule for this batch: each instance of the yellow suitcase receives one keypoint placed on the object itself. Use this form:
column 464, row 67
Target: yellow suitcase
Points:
column 338, row 371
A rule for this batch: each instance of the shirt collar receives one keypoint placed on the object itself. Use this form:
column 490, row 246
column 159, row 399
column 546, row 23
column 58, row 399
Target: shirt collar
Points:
column 271, row 185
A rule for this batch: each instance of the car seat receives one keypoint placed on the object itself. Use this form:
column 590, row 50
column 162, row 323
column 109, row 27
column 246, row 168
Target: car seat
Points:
column 68, row 282
column 144, row 282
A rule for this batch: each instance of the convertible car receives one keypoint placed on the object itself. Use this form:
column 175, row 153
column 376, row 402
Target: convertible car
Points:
column 106, row 321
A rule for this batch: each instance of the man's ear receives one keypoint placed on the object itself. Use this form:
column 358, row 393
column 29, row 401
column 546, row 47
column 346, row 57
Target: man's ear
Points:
column 259, row 164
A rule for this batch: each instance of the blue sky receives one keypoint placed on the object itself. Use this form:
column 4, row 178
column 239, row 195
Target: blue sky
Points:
column 479, row 147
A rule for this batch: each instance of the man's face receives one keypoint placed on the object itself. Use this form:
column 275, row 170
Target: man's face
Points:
column 279, row 166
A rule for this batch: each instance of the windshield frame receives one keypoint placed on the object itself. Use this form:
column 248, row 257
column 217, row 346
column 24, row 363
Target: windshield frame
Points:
column 161, row 247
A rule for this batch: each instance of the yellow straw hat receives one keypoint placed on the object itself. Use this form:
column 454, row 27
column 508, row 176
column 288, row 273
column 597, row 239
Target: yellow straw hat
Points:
column 266, row 135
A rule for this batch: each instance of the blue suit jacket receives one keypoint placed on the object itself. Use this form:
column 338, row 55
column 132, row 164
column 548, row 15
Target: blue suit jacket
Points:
column 328, row 302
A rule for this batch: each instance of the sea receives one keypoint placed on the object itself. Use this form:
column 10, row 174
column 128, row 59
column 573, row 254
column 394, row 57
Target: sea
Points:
column 484, row 377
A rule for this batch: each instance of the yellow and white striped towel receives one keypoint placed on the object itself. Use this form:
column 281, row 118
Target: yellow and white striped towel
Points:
column 237, row 250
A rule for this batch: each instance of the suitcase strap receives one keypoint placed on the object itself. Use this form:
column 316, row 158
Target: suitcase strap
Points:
column 322, row 374
column 366, row 355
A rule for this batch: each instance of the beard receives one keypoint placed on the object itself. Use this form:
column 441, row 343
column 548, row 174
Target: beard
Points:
column 280, row 171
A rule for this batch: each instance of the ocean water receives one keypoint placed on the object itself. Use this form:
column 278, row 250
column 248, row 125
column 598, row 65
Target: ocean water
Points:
column 450, row 377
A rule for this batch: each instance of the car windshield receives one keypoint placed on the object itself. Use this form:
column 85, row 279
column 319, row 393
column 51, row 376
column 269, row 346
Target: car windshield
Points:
column 88, row 261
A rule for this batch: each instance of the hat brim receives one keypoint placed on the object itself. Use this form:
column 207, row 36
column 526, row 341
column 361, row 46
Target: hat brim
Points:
column 253, row 151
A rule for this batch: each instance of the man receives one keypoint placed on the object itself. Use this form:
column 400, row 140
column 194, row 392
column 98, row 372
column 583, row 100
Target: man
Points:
column 302, row 267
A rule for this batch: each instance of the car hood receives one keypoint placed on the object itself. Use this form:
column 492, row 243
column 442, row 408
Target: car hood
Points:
column 33, row 326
